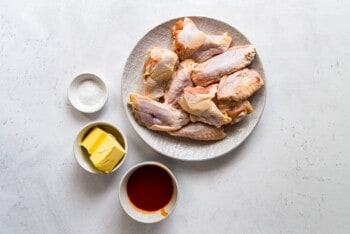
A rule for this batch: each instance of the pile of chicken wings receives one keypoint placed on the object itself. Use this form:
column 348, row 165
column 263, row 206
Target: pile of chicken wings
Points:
column 198, row 87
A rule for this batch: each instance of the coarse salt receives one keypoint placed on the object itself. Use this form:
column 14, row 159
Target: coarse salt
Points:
column 90, row 92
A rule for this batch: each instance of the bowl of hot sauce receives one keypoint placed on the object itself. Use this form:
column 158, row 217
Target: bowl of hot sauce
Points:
column 148, row 192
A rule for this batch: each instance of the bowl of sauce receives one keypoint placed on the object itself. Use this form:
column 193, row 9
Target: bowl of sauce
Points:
column 148, row 192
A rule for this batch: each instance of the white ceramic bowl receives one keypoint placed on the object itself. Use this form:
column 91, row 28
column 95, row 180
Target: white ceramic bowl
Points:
column 82, row 156
column 137, row 214
column 87, row 93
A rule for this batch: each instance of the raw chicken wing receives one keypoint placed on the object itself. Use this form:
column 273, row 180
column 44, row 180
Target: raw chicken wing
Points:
column 226, row 63
column 180, row 79
column 187, row 38
column 237, row 111
column 213, row 45
column 198, row 102
column 200, row 131
column 155, row 115
column 158, row 68
column 239, row 86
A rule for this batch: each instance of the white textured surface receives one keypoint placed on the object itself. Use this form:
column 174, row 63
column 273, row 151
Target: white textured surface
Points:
column 290, row 176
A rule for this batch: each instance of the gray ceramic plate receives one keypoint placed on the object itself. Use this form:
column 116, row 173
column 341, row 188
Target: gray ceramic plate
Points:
column 182, row 148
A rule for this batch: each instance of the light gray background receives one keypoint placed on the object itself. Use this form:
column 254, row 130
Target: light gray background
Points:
column 290, row 176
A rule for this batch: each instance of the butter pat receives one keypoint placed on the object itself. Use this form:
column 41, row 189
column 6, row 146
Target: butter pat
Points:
column 105, row 151
column 93, row 139
column 108, row 154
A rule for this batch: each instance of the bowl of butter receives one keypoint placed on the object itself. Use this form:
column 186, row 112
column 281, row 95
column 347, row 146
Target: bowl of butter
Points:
column 100, row 148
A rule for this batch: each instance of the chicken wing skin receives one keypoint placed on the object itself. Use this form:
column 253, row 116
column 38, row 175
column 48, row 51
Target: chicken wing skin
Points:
column 197, row 101
column 187, row 38
column 180, row 79
column 239, row 85
column 155, row 115
column 200, row 131
column 154, row 89
column 158, row 68
column 213, row 45
column 236, row 110
column 232, row 60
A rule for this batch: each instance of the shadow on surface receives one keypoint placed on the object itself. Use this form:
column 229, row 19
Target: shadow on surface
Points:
column 128, row 225
column 92, row 184
column 77, row 115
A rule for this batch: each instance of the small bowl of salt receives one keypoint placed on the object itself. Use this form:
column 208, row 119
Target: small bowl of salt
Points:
column 87, row 93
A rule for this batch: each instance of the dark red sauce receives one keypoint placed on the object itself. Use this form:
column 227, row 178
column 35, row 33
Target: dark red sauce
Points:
column 150, row 188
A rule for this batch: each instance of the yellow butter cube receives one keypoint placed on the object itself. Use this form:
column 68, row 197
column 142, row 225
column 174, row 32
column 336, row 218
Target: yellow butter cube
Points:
column 108, row 154
column 104, row 149
column 94, row 139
